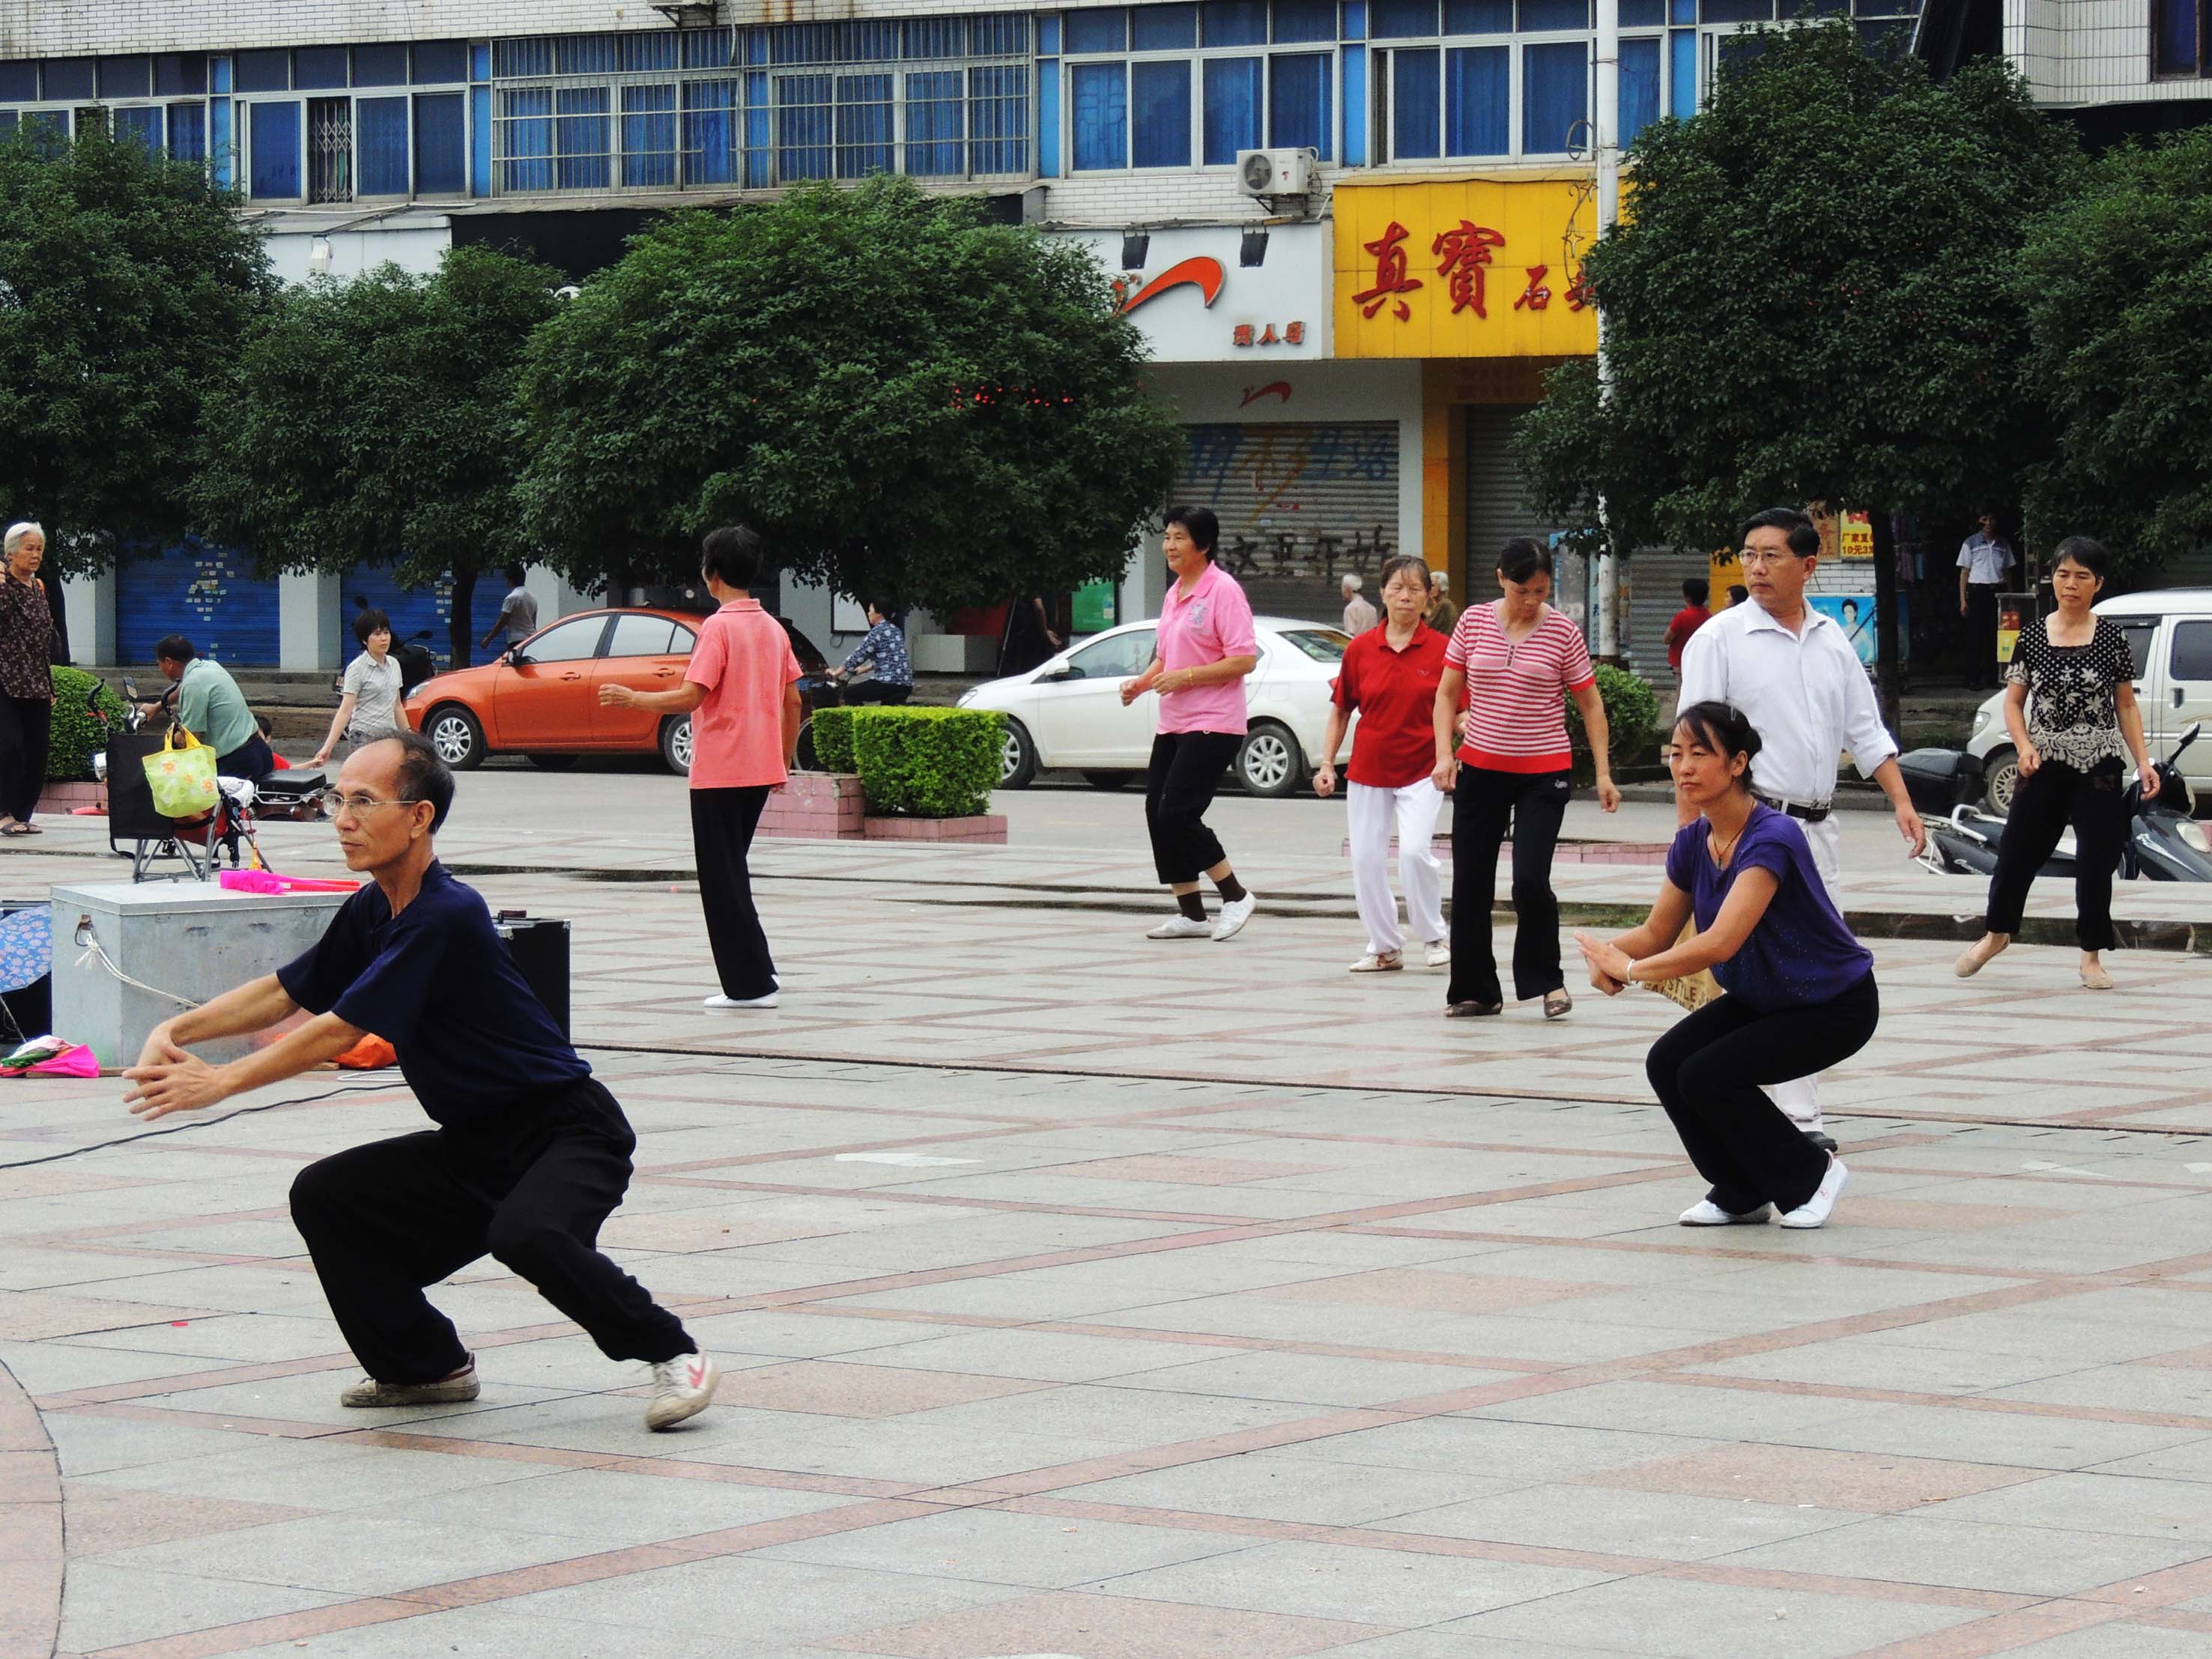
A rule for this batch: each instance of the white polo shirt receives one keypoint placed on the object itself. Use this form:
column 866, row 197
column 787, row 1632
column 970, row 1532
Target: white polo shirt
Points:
column 1987, row 560
column 1806, row 694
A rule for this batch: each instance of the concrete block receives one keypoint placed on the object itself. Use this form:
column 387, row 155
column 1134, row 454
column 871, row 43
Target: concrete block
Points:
column 984, row 829
column 194, row 940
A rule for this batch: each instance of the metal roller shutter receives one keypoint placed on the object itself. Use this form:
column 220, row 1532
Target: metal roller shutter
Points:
column 1496, row 512
column 208, row 594
column 1655, row 594
column 411, row 609
column 1301, row 504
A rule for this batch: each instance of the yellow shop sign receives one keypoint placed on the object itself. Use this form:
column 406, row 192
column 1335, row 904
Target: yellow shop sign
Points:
column 1470, row 267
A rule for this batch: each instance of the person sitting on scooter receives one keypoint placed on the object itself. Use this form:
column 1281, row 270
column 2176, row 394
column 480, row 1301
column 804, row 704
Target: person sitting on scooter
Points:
column 212, row 708
column 2070, row 706
column 883, row 652
column 368, row 706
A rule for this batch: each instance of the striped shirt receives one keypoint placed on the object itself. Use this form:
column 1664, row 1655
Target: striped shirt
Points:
column 1516, row 719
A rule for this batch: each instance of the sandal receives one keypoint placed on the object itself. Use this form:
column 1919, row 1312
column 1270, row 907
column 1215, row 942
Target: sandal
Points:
column 13, row 827
column 1557, row 1004
column 1473, row 1010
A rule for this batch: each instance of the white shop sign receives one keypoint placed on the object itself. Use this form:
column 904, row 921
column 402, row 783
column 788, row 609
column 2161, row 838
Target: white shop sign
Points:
column 1198, row 303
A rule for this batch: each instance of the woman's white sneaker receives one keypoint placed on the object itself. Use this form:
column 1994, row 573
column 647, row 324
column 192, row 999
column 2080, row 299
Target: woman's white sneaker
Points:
column 682, row 1388
column 1379, row 961
column 718, row 1001
column 1816, row 1211
column 1180, row 926
column 1706, row 1213
column 1234, row 915
column 1439, row 953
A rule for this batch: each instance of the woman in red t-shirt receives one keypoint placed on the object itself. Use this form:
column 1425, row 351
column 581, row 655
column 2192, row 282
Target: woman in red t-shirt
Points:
column 1519, row 660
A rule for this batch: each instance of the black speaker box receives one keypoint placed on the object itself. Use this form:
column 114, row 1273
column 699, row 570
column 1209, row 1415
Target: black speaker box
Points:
column 539, row 945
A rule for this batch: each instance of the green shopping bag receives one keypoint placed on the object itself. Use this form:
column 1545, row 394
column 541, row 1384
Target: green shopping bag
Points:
column 181, row 777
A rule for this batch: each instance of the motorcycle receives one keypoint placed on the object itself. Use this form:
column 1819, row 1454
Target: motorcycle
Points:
column 2165, row 842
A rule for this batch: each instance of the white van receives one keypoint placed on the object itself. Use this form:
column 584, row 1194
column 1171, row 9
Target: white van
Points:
column 2170, row 634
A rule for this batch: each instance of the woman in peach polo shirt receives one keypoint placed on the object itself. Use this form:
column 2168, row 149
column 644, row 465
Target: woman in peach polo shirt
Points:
column 1206, row 649
column 741, row 689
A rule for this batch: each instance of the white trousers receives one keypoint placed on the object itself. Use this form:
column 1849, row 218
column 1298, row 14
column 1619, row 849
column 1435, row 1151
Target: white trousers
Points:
column 1800, row 1097
column 1373, row 812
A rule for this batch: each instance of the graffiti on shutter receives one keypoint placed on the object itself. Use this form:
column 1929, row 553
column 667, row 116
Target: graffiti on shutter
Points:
column 208, row 594
column 1301, row 504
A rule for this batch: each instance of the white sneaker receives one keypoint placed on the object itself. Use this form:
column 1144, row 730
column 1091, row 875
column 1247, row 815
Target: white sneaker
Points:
column 1181, row 926
column 1439, row 953
column 1706, row 1213
column 1378, row 962
column 1816, row 1211
column 718, row 1001
column 682, row 1388
column 1234, row 915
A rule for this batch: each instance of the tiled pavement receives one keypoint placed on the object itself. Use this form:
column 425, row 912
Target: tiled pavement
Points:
column 1083, row 1296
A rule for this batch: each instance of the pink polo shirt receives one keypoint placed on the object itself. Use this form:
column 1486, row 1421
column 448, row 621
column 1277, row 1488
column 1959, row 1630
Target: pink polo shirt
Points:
column 1212, row 622
column 744, row 660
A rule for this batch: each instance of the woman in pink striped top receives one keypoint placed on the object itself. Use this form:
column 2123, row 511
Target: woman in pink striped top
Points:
column 1519, row 660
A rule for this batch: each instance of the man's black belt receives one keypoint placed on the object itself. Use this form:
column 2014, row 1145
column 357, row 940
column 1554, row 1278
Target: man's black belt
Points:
column 1804, row 811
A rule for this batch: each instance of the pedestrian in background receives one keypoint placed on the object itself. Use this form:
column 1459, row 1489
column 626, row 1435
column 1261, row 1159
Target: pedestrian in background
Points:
column 1030, row 638
column 882, row 652
column 1798, row 991
column 518, row 613
column 1358, row 614
column 741, row 690
column 1518, row 660
column 369, row 695
column 1985, row 562
column 1688, row 620
column 1442, row 615
column 27, row 677
column 2070, row 706
column 1389, row 676
column 1205, row 649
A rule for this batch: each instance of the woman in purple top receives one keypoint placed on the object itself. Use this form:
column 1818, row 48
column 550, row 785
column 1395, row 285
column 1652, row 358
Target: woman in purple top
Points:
column 1799, row 989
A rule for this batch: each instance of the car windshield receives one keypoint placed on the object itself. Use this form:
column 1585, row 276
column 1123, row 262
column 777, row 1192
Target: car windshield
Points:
column 1322, row 644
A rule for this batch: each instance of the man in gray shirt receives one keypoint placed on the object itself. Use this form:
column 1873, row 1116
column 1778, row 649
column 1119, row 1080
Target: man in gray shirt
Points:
column 518, row 613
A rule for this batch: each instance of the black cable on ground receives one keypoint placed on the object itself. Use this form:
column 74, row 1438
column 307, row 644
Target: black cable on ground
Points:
column 195, row 1123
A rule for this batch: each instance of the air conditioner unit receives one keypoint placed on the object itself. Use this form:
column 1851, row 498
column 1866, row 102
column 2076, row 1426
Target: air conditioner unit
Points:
column 1278, row 172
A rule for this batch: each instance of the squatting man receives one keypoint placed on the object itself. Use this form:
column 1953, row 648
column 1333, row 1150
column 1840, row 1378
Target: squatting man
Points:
column 531, row 1153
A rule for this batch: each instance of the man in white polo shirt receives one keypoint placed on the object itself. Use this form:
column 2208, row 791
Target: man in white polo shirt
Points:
column 1800, row 683
column 1986, row 563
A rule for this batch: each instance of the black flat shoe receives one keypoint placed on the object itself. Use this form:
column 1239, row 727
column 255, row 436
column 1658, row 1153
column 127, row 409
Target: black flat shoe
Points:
column 1473, row 1010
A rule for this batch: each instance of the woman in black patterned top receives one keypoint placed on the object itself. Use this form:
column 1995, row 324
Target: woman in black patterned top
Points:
column 2070, row 706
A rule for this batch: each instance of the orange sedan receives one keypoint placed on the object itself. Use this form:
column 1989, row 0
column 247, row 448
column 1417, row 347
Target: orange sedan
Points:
column 541, row 698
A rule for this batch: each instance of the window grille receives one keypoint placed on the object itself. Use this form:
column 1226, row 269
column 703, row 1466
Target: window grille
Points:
column 330, row 149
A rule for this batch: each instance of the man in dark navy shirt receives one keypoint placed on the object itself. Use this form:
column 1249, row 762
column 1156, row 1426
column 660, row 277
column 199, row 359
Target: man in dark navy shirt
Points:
column 530, row 1154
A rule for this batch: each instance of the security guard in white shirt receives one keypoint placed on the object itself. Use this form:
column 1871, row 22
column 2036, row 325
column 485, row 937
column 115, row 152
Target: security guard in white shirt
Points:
column 1986, row 563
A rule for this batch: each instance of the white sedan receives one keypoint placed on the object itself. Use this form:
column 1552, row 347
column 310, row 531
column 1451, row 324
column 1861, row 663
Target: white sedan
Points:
column 1067, row 712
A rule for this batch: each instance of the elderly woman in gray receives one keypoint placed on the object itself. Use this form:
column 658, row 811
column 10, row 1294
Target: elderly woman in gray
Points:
column 27, row 680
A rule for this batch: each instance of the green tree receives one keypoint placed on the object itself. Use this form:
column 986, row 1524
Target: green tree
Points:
column 1808, row 300
column 370, row 422
column 2117, row 285
column 126, row 285
column 905, row 398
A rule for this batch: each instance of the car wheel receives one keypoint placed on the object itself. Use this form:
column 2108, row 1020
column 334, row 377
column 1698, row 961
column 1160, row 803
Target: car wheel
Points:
column 1999, row 781
column 553, row 763
column 1109, row 780
column 1269, row 763
column 1018, row 760
column 676, row 744
column 455, row 734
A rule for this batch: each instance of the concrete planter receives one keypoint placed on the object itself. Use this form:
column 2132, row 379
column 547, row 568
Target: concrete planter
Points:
column 985, row 829
column 825, row 805
column 60, row 800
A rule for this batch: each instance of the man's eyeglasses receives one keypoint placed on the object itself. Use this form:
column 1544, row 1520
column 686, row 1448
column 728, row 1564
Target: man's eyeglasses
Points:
column 330, row 802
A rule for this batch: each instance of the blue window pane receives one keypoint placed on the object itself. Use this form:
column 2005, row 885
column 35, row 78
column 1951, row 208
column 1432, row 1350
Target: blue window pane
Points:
column 1236, row 22
column 125, row 77
column 380, row 66
column 804, row 132
column 708, row 48
column 222, row 144
column 1103, row 30
column 579, row 138
column 1682, row 73
column 441, row 150
column 71, row 77
column 1355, row 20
column 998, row 118
column 2173, row 33
column 1735, row 51
column 710, row 132
column 1540, row 15
column 142, row 126
column 47, row 130
column 1477, row 101
column 1164, row 28
column 262, row 71
column 1398, row 20
column 19, row 83
column 315, row 68
column 642, row 54
column 1642, row 14
column 439, row 62
column 1681, row 11
column 935, row 124
column 188, row 132
column 511, row 58
column 867, row 43
column 273, row 130
column 380, row 135
column 7, row 124
column 933, row 37
column 1415, row 129
column 1049, row 36
column 1554, row 94
column 1003, row 35
column 1049, row 117
column 1355, row 106
column 1232, row 108
column 1304, row 19
column 1738, row 11
column 1478, row 16
column 1639, row 87
column 1101, row 100
column 1159, row 113
column 179, row 74
column 1298, row 103
column 529, row 138
column 648, row 136
column 864, row 125
column 756, row 125
column 583, row 54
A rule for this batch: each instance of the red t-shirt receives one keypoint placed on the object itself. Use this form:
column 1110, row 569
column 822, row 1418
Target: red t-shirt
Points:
column 1517, row 693
column 1685, row 622
column 1395, row 693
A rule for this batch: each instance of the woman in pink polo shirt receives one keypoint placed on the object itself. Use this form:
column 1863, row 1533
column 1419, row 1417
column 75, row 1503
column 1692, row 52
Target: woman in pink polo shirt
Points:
column 1206, row 649
column 741, row 689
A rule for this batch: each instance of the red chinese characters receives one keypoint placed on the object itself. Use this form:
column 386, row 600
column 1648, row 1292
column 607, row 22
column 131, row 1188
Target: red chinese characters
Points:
column 1537, row 296
column 1393, row 276
column 1265, row 334
column 1580, row 295
column 1465, row 254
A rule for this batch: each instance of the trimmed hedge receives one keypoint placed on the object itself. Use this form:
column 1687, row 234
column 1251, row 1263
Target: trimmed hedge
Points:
column 917, row 763
column 1631, row 718
column 76, row 735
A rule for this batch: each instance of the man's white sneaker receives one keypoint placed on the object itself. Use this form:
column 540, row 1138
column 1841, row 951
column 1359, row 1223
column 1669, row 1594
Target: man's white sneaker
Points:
column 1180, row 926
column 682, row 1388
column 1816, row 1211
column 718, row 1001
column 1379, row 961
column 1234, row 915
column 455, row 1390
column 1706, row 1213
column 1439, row 953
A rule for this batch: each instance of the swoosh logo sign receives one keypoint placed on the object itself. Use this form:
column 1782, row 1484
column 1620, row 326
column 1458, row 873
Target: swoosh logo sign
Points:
column 1205, row 275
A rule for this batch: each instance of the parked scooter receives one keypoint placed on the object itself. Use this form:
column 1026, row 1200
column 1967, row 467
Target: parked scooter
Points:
column 2165, row 842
